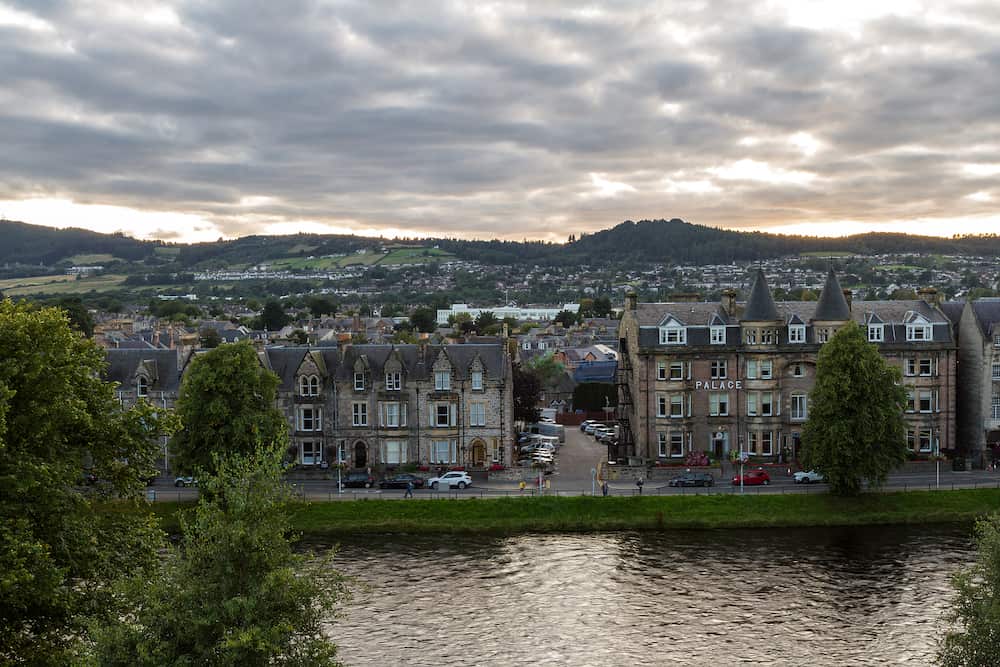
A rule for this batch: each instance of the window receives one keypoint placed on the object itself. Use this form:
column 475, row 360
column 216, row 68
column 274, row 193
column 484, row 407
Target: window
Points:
column 395, row 451
column 798, row 371
column 661, row 405
column 717, row 335
column 442, row 451
column 393, row 414
column 661, row 370
column 312, row 452
column 797, row 333
column 911, row 401
column 477, row 380
column 996, row 406
column 768, row 336
column 925, row 400
column 911, row 440
column 718, row 370
column 822, row 335
column 443, row 414
column 477, row 414
column 766, row 369
column 751, row 369
column 767, row 443
column 661, row 441
column 676, row 443
column 526, row 345
column 718, row 404
column 752, row 404
column 676, row 370
column 142, row 387
column 673, row 335
column 924, row 439
column 359, row 382
column 910, row 367
column 541, row 345
column 800, row 407
column 751, row 336
column 752, row 439
column 442, row 380
column 927, row 367
column 918, row 332
column 359, row 414
column 876, row 333
column 766, row 404
column 996, row 370
column 310, row 419
column 759, row 369
column 309, row 385
column 676, row 405
column 996, row 340
column 393, row 381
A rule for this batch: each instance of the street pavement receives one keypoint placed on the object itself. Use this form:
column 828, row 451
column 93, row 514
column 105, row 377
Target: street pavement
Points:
column 571, row 476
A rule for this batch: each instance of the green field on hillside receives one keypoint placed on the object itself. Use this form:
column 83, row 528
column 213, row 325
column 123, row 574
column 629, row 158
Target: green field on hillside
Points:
column 825, row 253
column 61, row 284
column 91, row 259
column 414, row 255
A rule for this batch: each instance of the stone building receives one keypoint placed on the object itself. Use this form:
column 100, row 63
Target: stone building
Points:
column 725, row 377
column 979, row 379
column 369, row 406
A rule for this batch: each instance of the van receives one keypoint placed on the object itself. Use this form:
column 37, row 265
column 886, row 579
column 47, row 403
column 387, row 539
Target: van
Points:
column 555, row 430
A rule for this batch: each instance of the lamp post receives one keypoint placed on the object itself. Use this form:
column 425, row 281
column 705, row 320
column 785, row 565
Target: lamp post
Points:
column 937, row 464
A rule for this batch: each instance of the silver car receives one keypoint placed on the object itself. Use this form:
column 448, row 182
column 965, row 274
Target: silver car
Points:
column 808, row 477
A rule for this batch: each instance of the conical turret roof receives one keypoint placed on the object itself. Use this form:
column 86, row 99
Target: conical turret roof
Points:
column 832, row 306
column 760, row 306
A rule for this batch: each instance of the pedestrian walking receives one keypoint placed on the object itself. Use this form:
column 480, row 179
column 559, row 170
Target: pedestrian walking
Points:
column 604, row 488
column 638, row 483
column 521, row 486
column 409, row 489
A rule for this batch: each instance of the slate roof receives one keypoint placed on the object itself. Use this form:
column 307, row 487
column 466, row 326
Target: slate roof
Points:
column 832, row 305
column 123, row 364
column 987, row 312
column 760, row 306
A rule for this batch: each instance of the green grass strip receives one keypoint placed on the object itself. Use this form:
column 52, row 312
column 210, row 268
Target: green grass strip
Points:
column 589, row 514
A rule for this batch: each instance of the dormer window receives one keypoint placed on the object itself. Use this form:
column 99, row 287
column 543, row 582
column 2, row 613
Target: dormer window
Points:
column 717, row 335
column 996, row 340
column 393, row 381
column 309, row 385
column 142, row 387
column 442, row 380
column 796, row 333
column 876, row 333
column 673, row 335
column 751, row 336
column 918, row 332
column 359, row 381
column 477, row 380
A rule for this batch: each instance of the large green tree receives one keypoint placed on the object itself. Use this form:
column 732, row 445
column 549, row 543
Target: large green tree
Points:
column 234, row 592
column 855, row 429
column 974, row 637
column 548, row 369
column 226, row 405
column 527, row 392
column 58, row 552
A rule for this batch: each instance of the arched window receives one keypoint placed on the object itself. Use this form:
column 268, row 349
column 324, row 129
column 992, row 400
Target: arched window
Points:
column 142, row 386
column 314, row 385
column 309, row 385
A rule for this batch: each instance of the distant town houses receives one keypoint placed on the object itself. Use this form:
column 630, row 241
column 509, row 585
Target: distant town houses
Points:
column 520, row 313
column 366, row 406
column 731, row 377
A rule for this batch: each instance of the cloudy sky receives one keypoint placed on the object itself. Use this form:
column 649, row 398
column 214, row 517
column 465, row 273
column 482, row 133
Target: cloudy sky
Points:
column 195, row 120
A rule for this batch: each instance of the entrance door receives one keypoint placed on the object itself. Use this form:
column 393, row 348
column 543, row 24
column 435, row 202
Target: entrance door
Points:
column 720, row 446
column 479, row 454
column 360, row 455
column 796, row 446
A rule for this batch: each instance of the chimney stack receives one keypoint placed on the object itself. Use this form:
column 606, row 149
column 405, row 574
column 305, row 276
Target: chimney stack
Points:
column 729, row 302
column 849, row 296
column 631, row 301
column 930, row 296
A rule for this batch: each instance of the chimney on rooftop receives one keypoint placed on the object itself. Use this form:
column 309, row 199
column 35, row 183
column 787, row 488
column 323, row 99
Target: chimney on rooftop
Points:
column 930, row 296
column 849, row 296
column 729, row 302
column 631, row 301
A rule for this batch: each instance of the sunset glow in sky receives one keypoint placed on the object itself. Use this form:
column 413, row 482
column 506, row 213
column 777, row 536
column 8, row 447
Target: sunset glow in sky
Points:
column 190, row 121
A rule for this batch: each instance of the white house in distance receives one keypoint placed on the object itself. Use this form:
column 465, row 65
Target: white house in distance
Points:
column 517, row 312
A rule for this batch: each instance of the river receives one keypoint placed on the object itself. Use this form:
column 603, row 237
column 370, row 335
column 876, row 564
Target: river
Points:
column 857, row 596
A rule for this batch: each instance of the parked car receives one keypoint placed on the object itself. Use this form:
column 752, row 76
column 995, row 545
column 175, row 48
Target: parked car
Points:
column 359, row 480
column 451, row 479
column 401, row 480
column 185, row 481
column 589, row 430
column 585, row 423
column 753, row 478
column 808, row 477
column 692, row 479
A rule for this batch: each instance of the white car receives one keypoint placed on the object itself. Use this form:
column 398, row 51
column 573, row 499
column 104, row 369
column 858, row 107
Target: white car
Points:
column 455, row 478
column 808, row 477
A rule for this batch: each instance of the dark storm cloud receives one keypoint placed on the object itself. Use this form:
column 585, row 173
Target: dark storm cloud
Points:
column 514, row 120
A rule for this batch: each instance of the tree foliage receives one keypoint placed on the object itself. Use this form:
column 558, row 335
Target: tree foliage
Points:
column 234, row 592
column 424, row 319
column 527, row 390
column 226, row 404
column 273, row 317
column 547, row 368
column 57, row 552
column 566, row 318
column 485, row 320
column 594, row 396
column 209, row 337
column 974, row 638
column 855, row 429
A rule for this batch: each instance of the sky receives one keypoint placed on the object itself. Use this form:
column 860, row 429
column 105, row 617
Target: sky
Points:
column 191, row 121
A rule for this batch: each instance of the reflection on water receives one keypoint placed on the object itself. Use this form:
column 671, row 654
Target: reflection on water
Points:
column 791, row 597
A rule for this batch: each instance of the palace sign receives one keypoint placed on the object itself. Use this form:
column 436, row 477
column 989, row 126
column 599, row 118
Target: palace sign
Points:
column 718, row 385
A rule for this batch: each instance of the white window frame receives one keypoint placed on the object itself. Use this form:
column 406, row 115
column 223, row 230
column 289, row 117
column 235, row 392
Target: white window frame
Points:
column 767, row 443
column 662, row 404
column 995, row 405
column 751, row 336
column 309, row 419
column 929, row 365
column 442, row 380
column 359, row 381
column 719, row 369
column 796, row 333
column 394, row 381
column 768, row 336
column 751, row 369
column 919, row 333
column 477, row 381
column 751, row 404
column 395, row 452
column 876, row 333
column 717, row 335
column 661, row 441
column 798, row 370
column 443, row 415
column 766, row 369
column 392, row 414
column 676, row 438
column 442, row 451
column 767, row 408
column 661, row 371
column 315, row 452
column 673, row 335
column 676, row 406
column 142, row 386
column 910, row 367
column 925, row 397
column 929, row 446
column 996, row 340
column 718, row 404
column 995, row 368
column 359, row 413
column 800, row 407
column 676, row 371
column 477, row 414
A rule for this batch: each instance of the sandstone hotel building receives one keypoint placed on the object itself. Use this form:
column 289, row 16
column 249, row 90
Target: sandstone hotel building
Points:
column 730, row 376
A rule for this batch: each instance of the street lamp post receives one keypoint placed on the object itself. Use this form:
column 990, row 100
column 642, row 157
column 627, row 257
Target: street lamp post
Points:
column 937, row 463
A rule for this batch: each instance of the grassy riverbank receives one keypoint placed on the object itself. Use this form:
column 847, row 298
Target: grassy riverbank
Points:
column 586, row 514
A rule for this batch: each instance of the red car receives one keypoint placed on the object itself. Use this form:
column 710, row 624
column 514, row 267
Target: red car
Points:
column 753, row 478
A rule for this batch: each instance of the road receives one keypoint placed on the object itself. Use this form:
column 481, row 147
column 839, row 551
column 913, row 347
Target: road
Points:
column 571, row 477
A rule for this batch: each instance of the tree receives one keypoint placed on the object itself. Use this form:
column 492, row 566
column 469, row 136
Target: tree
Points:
column 484, row 320
column 322, row 305
column 58, row 553
column 548, row 370
column 855, row 429
column 79, row 316
column 299, row 337
column 975, row 614
column 594, row 396
column 424, row 319
column 527, row 392
column 226, row 404
column 209, row 337
column 273, row 317
column 566, row 318
column 235, row 592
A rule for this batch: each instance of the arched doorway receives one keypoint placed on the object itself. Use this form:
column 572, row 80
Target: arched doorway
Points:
column 479, row 453
column 360, row 454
